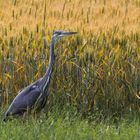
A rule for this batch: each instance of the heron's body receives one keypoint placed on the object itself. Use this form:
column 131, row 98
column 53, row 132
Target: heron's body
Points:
column 27, row 99
column 35, row 95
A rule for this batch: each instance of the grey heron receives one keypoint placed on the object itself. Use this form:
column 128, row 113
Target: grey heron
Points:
column 35, row 95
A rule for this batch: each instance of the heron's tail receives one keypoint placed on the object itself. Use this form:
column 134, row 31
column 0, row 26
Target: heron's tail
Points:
column 5, row 118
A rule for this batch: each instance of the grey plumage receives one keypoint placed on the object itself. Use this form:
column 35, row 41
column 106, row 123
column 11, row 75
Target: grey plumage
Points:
column 35, row 95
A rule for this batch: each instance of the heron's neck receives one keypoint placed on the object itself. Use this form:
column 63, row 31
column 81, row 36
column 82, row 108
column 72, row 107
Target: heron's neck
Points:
column 46, row 77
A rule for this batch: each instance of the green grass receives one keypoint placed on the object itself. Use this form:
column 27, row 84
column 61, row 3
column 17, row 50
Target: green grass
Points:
column 97, row 69
column 65, row 128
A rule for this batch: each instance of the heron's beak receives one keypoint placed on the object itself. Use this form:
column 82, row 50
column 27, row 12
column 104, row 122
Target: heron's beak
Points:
column 68, row 33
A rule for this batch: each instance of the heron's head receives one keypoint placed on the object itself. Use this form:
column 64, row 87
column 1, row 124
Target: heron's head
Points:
column 58, row 34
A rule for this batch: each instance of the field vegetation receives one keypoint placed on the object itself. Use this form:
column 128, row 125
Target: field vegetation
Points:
column 96, row 72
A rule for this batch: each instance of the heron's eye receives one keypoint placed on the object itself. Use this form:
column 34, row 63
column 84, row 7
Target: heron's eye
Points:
column 58, row 33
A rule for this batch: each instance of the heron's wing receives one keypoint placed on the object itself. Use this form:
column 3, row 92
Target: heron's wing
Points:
column 25, row 99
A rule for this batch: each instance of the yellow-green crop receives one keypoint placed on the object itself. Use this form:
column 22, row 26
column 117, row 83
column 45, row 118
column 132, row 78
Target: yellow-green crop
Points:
column 99, row 69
